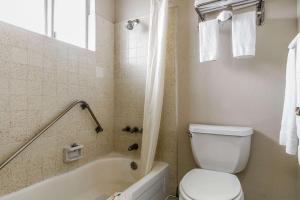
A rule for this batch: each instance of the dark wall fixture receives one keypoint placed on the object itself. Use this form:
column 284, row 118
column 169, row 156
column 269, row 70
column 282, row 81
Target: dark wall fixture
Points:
column 132, row 130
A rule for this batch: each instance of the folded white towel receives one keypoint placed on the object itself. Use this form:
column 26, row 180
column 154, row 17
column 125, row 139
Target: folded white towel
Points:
column 288, row 132
column 298, row 133
column 290, row 125
column 297, row 69
column 244, row 34
column 208, row 39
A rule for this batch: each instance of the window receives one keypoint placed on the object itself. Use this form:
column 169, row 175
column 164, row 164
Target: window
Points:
column 72, row 14
column 71, row 21
column 29, row 14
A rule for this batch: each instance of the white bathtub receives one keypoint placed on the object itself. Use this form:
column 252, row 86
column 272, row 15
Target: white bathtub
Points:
column 98, row 180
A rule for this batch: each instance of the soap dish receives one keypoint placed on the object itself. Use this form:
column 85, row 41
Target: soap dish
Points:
column 73, row 152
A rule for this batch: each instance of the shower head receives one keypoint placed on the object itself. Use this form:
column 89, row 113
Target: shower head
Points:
column 131, row 23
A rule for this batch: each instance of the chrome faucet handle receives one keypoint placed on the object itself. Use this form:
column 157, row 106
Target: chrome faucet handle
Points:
column 134, row 130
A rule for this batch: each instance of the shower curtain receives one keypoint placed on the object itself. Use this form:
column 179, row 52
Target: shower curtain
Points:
column 154, row 82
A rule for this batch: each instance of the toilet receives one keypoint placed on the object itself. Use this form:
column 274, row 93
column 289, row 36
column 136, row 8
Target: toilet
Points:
column 220, row 151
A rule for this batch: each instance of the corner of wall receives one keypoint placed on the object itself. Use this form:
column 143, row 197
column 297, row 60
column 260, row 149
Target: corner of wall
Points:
column 298, row 14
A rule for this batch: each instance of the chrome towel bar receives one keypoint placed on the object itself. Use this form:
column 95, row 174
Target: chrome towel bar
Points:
column 83, row 105
column 203, row 9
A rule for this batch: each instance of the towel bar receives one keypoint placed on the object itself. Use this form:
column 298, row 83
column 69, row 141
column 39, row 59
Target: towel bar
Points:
column 219, row 5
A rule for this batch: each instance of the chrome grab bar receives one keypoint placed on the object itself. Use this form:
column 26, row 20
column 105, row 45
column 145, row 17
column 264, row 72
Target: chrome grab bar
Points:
column 83, row 105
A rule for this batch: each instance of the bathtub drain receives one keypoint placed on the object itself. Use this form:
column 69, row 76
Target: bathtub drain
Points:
column 133, row 165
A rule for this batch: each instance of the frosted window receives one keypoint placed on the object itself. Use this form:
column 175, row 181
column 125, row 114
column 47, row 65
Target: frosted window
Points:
column 28, row 14
column 70, row 21
column 92, row 26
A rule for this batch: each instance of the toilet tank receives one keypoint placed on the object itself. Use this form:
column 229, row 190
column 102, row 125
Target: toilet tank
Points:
column 221, row 148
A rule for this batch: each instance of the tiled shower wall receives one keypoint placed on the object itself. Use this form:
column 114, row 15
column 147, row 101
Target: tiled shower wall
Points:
column 130, row 77
column 39, row 77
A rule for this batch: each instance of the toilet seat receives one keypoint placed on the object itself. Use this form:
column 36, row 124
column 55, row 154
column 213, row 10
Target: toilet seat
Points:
column 200, row 184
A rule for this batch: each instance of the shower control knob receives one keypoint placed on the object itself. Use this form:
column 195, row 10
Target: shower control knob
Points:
column 127, row 129
column 134, row 146
column 135, row 130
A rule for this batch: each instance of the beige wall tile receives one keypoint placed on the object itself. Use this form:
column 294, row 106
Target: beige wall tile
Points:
column 39, row 77
column 129, row 88
column 18, row 55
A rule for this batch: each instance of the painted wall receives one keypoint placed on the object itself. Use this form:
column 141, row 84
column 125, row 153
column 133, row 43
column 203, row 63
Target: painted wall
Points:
column 106, row 9
column 298, row 17
column 39, row 74
column 246, row 92
column 167, row 140
column 233, row 92
column 298, row 14
column 129, row 9
column 39, row 77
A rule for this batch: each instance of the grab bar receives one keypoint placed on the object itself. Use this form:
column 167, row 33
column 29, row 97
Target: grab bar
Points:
column 83, row 105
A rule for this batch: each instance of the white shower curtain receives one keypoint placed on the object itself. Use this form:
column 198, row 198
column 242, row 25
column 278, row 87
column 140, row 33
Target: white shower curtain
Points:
column 155, row 81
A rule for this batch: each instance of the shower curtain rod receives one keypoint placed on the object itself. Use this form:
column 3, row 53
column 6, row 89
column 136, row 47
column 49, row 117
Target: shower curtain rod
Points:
column 218, row 5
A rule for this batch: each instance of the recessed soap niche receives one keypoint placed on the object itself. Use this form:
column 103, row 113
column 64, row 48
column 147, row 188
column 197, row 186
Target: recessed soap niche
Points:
column 73, row 152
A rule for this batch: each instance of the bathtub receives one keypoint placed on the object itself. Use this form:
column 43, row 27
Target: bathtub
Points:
column 98, row 180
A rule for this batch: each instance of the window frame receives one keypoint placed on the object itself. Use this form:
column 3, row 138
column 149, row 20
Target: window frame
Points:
column 50, row 22
column 11, row 17
column 47, row 26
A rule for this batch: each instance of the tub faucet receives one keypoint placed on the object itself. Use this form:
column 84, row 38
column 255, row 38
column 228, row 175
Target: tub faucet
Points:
column 132, row 147
column 134, row 130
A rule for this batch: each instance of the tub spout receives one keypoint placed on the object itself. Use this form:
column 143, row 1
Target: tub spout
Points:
column 132, row 147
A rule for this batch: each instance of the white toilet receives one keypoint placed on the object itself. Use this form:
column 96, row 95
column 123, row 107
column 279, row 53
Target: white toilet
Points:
column 221, row 151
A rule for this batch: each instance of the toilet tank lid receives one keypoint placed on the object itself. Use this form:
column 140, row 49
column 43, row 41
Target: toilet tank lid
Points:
column 220, row 130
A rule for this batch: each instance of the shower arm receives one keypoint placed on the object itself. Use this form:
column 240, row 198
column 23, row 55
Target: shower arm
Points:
column 84, row 105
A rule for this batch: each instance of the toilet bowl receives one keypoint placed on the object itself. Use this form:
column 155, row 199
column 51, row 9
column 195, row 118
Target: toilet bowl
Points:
column 221, row 151
column 200, row 184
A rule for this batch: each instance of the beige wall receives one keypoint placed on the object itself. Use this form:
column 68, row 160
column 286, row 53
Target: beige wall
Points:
column 234, row 92
column 129, row 9
column 237, row 92
column 298, row 14
column 106, row 9
column 298, row 17
column 39, row 77
column 246, row 92
column 167, row 140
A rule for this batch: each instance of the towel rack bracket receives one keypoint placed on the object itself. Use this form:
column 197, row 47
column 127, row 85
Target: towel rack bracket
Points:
column 200, row 15
column 260, row 10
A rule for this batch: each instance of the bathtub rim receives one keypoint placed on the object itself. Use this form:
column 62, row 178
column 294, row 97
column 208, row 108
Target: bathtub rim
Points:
column 159, row 167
